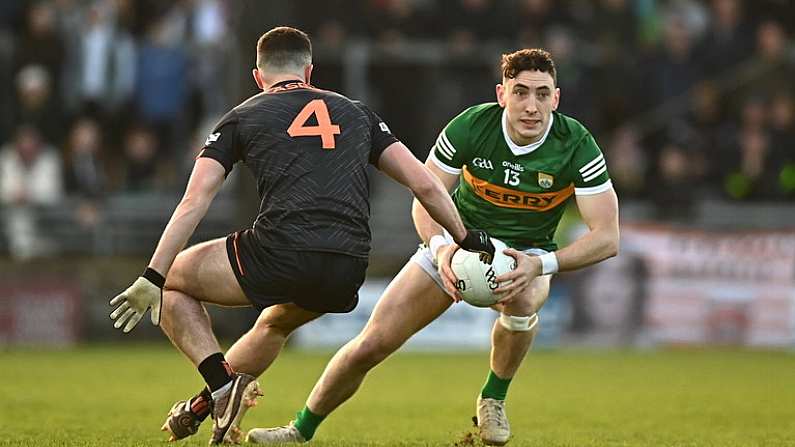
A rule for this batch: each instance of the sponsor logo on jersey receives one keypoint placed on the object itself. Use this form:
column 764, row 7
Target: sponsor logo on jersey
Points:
column 512, row 198
column 513, row 166
column 545, row 180
column 212, row 138
column 482, row 163
column 290, row 86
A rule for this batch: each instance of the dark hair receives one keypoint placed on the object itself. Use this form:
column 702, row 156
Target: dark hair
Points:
column 535, row 59
column 284, row 47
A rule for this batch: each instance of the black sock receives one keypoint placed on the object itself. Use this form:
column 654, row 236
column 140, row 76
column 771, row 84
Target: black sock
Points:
column 216, row 371
column 200, row 404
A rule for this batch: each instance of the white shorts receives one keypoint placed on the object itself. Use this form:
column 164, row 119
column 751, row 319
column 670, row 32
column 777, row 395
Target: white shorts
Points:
column 424, row 259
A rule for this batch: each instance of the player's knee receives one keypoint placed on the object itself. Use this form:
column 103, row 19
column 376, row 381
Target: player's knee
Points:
column 177, row 277
column 519, row 309
column 271, row 328
column 518, row 323
column 370, row 351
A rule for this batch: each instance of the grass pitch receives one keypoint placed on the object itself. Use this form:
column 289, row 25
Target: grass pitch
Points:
column 118, row 396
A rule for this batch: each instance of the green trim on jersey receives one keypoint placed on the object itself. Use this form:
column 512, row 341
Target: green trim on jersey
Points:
column 518, row 199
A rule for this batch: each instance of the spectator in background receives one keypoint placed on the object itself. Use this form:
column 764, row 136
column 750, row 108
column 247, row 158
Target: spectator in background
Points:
column 782, row 143
column 140, row 153
column 562, row 44
column 782, row 121
column 530, row 18
column 752, row 178
column 468, row 23
column 727, row 42
column 326, row 24
column 750, row 171
column 30, row 176
column 703, row 125
column 464, row 26
column 103, row 62
column 673, row 191
column 673, row 68
column 392, row 22
column 161, row 90
column 85, row 171
column 36, row 105
column 773, row 59
column 40, row 43
column 608, row 48
column 12, row 15
column 616, row 25
column 628, row 163
column 210, row 43
column 7, row 46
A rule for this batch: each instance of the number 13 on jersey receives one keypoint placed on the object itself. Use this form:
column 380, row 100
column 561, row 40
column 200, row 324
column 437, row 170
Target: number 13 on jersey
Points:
column 325, row 129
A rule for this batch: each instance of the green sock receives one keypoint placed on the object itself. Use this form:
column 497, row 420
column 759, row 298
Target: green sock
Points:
column 495, row 388
column 307, row 422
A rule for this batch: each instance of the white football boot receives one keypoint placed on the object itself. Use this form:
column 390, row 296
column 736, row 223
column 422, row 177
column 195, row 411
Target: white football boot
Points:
column 492, row 421
column 278, row 435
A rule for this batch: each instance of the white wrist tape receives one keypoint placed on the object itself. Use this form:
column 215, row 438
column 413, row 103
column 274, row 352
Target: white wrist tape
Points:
column 436, row 241
column 549, row 263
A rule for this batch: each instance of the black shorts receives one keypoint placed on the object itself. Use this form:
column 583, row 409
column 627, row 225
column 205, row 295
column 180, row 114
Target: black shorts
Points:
column 316, row 281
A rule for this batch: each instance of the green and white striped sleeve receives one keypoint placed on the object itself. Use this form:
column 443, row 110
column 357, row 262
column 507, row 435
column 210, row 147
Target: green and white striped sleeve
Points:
column 449, row 150
column 591, row 176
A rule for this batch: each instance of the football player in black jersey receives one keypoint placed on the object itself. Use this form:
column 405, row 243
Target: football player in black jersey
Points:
column 306, row 253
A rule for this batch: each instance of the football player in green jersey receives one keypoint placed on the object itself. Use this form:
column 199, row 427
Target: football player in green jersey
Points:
column 516, row 163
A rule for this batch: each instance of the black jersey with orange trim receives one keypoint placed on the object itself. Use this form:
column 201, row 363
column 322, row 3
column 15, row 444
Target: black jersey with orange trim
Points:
column 308, row 150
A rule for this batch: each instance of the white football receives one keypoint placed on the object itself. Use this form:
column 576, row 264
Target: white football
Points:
column 476, row 279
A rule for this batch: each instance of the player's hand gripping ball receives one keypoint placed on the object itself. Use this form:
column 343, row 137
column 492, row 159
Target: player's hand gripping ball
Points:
column 476, row 279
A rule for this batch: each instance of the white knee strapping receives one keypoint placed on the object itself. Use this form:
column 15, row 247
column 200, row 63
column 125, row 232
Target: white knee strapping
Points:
column 518, row 324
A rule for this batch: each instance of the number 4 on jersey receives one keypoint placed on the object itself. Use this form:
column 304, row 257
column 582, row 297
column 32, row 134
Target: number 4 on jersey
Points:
column 325, row 129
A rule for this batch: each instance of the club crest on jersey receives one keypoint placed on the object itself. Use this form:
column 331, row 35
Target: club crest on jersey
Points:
column 545, row 180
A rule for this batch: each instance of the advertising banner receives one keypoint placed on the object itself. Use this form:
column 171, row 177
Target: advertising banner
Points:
column 44, row 313
column 462, row 326
column 725, row 288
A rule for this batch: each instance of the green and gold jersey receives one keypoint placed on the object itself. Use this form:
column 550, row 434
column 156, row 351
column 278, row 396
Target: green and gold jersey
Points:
column 518, row 193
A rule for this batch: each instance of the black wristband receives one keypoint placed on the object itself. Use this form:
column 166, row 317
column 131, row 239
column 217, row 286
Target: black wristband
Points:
column 474, row 238
column 154, row 277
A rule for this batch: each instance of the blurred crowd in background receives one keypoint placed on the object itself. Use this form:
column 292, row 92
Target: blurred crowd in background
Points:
column 687, row 98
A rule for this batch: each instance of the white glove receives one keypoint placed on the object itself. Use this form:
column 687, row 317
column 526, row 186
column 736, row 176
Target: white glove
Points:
column 133, row 303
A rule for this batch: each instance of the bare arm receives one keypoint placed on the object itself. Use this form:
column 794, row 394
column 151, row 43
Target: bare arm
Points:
column 147, row 291
column 423, row 222
column 204, row 183
column 600, row 214
column 427, row 228
column 401, row 165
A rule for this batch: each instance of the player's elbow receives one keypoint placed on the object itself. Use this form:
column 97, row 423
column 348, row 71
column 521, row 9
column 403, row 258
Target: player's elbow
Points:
column 612, row 249
column 611, row 244
column 424, row 188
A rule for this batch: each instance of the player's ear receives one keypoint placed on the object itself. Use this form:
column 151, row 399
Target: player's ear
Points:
column 556, row 99
column 308, row 73
column 500, row 89
column 258, row 78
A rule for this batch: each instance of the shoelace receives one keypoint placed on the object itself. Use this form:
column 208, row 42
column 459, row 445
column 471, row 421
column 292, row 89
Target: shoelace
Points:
column 494, row 414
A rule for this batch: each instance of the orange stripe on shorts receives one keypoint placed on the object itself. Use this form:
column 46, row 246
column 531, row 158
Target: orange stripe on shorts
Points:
column 237, row 256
